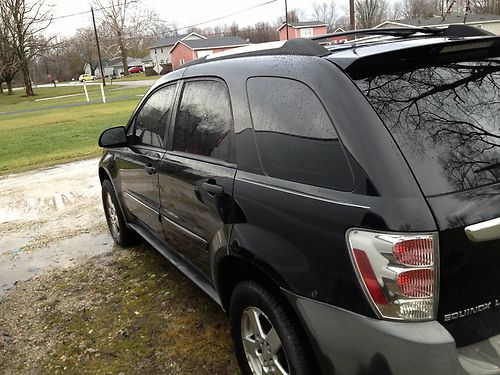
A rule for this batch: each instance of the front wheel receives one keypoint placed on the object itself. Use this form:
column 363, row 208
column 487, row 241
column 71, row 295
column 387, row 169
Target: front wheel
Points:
column 265, row 334
column 122, row 235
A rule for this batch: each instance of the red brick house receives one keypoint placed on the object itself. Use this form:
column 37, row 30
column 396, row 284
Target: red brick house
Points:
column 302, row 29
column 187, row 50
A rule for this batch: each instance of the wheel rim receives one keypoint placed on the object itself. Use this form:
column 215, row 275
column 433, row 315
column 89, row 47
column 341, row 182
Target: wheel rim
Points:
column 114, row 224
column 263, row 348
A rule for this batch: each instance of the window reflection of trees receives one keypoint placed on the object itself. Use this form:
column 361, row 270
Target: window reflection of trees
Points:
column 203, row 120
column 448, row 113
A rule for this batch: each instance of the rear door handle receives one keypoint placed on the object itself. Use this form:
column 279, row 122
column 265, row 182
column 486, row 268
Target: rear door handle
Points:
column 212, row 189
column 485, row 231
column 150, row 169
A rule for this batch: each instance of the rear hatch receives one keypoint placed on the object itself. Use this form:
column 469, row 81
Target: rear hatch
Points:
column 441, row 103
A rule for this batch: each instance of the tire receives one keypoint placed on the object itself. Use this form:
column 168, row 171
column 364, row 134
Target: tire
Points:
column 265, row 334
column 122, row 235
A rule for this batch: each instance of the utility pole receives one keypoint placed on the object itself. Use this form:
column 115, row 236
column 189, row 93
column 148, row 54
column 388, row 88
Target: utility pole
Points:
column 286, row 18
column 351, row 15
column 98, row 48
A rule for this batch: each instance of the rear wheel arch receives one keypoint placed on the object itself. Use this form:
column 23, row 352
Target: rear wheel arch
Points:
column 233, row 271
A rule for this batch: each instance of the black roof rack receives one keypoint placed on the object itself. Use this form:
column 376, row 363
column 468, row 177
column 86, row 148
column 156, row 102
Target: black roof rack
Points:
column 452, row 30
column 298, row 47
column 311, row 47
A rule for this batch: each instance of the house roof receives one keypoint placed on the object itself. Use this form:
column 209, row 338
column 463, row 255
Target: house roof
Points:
column 228, row 41
column 165, row 42
column 301, row 25
column 437, row 20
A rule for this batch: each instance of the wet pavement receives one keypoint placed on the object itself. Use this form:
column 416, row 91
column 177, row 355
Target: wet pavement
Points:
column 50, row 218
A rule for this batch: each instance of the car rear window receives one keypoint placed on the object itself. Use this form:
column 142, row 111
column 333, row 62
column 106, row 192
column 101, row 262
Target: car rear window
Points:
column 445, row 116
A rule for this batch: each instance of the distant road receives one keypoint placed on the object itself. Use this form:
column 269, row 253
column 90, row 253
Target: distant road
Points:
column 144, row 82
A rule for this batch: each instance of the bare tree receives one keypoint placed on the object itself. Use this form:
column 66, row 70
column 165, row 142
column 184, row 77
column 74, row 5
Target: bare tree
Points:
column 24, row 22
column 486, row 6
column 116, row 14
column 9, row 63
column 417, row 8
column 370, row 13
column 326, row 12
column 259, row 33
column 83, row 45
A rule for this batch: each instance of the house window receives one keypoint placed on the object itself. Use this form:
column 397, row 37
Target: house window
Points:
column 155, row 51
column 161, row 50
column 182, row 61
column 162, row 61
column 306, row 33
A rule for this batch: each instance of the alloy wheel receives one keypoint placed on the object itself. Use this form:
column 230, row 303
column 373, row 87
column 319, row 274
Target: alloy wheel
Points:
column 262, row 344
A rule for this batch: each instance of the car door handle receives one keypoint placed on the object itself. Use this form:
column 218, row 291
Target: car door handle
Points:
column 212, row 188
column 150, row 169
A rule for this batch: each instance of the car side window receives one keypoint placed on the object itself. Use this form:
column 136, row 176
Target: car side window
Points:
column 203, row 120
column 296, row 138
column 151, row 121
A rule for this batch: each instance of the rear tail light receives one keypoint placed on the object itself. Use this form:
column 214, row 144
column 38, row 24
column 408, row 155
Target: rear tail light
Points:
column 397, row 272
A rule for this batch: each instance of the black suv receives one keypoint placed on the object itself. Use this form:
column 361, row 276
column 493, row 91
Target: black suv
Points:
column 340, row 202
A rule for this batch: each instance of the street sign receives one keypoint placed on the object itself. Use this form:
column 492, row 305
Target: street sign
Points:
column 157, row 68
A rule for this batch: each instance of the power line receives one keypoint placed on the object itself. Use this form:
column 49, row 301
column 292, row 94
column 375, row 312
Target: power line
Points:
column 182, row 27
column 78, row 14
column 227, row 15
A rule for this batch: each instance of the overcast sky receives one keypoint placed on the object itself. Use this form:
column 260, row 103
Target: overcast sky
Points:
column 187, row 12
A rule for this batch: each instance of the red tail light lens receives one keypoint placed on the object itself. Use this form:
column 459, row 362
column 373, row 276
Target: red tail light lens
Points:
column 417, row 283
column 417, row 252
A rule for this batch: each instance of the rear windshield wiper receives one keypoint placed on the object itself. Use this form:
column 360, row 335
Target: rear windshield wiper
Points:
column 488, row 167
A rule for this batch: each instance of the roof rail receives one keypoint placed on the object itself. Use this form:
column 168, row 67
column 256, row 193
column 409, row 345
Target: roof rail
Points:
column 452, row 30
column 298, row 47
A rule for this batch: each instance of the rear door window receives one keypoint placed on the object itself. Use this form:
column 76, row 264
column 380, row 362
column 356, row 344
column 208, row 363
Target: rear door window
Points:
column 203, row 121
column 296, row 138
column 445, row 117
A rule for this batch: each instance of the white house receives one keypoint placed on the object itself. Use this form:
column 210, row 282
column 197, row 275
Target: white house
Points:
column 159, row 52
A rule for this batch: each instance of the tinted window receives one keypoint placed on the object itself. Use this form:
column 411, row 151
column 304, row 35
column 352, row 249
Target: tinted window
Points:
column 151, row 121
column 445, row 119
column 203, row 121
column 296, row 138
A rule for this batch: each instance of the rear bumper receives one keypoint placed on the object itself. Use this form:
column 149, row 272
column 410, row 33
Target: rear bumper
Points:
column 482, row 357
column 348, row 343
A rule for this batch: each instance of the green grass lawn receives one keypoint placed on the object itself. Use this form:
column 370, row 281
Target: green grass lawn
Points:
column 16, row 102
column 37, row 139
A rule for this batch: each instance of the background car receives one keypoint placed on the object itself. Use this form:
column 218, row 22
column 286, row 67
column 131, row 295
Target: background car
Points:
column 87, row 77
column 135, row 69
